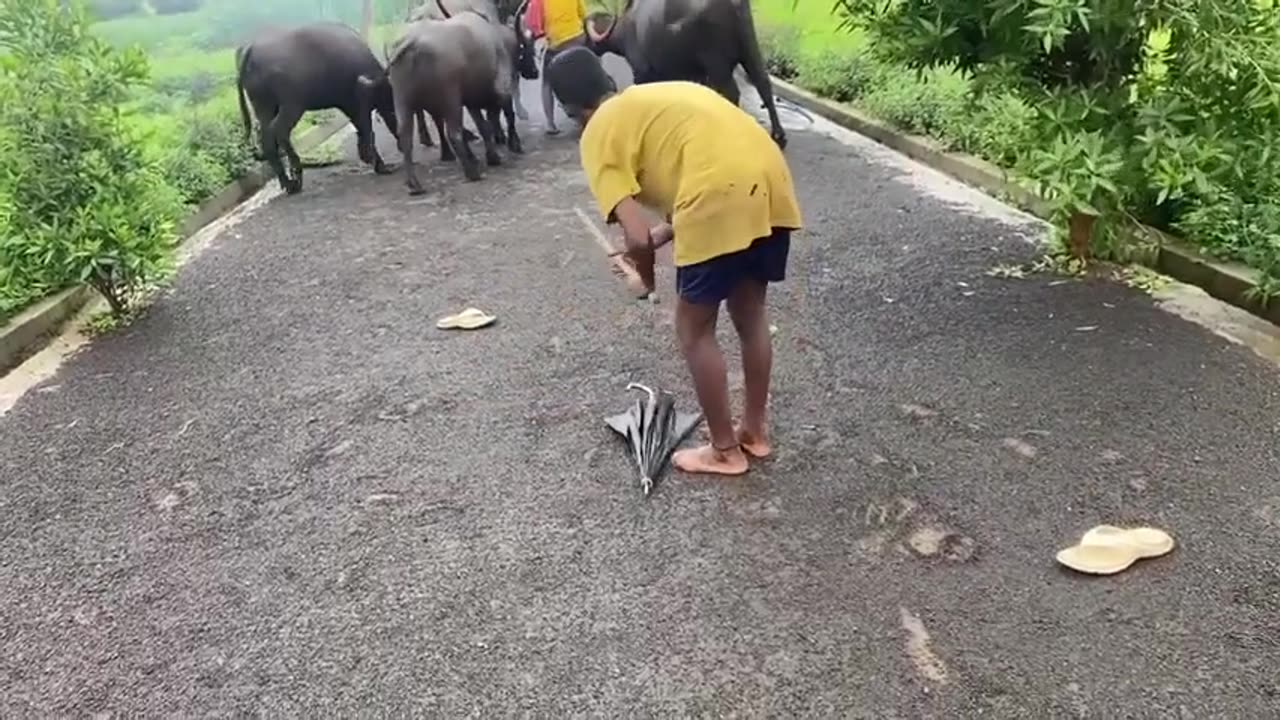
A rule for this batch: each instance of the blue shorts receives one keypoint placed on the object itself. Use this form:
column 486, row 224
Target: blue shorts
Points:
column 711, row 281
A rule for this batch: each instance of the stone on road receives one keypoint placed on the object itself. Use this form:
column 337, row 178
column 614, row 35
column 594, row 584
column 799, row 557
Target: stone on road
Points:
column 283, row 492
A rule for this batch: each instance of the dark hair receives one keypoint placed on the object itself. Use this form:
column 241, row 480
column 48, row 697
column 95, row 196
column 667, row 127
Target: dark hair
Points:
column 578, row 79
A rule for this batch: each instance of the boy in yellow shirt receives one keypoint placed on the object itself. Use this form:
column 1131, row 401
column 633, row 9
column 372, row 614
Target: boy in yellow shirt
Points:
column 563, row 23
column 682, row 149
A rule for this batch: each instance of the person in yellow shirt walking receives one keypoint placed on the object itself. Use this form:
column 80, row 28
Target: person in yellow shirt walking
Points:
column 714, row 172
column 562, row 22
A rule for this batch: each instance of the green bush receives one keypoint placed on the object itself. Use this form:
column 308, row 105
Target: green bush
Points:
column 1167, row 112
column 839, row 76
column 1001, row 128
column 83, row 201
column 934, row 101
column 780, row 47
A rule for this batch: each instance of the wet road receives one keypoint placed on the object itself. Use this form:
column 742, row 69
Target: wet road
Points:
column 283, row 492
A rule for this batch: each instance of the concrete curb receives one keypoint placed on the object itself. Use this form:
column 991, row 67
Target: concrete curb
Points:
column 31, row 329
column 1228, row 281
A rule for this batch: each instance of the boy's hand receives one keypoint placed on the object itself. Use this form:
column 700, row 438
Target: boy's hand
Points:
column 661, row 234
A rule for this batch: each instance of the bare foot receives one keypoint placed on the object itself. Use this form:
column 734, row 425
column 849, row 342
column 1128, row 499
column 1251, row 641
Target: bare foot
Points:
column 757, row 446
column 707, row 460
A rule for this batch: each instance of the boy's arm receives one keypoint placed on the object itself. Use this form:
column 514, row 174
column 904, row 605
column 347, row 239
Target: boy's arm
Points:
column 636, row 233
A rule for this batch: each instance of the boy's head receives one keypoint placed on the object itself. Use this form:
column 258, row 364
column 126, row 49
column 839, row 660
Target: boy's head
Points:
column 580, row 82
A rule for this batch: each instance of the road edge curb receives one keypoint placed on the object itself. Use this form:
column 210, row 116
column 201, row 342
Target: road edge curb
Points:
column 1230, row 282
column 30, row 330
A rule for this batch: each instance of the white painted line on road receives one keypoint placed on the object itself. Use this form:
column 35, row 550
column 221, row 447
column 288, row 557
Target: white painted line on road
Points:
column 928, row 664
column 44, row 364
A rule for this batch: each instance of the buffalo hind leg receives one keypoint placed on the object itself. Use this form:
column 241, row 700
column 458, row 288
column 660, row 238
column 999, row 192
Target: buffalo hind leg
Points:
column 718, row 75
column 491, row 155
column 405, row 141
column 446, row 147
column 513, row 138
column 282, row 128
column 423, row 135
column 758, row 74
column 454, row 131
column 366, row 144
column 267, row 141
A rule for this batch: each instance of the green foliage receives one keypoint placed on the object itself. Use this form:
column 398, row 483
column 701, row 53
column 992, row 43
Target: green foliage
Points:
column 780, row 47
column 932, row 101
column 1164, row 112
column 839, row 76
column 81, row 200
column 1000, row 127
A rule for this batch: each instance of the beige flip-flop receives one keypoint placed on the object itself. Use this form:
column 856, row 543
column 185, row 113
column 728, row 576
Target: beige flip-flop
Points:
column 469, row 319
column 1107, row 549
column 1148, row 541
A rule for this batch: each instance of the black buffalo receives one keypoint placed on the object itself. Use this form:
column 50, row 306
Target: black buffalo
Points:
column 696, row 40
column 445, row 66
column 286, row 72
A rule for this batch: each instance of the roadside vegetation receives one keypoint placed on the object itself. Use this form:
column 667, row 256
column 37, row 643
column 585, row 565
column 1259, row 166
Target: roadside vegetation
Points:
column 1114, row 111
column 117, row 117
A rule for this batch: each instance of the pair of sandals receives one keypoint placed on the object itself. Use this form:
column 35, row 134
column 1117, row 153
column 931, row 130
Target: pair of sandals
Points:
column 1107, row 549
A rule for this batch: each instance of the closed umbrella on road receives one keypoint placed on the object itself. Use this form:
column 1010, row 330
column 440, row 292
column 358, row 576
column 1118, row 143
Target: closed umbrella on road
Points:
column 653, row 428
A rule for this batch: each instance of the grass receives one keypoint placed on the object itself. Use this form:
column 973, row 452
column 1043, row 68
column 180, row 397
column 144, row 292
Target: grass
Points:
column 813, row 23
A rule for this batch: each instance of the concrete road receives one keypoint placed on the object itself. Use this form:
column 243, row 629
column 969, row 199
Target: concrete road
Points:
column 283, row 492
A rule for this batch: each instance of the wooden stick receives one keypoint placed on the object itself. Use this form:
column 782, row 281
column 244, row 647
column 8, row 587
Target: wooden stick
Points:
column 620, row 266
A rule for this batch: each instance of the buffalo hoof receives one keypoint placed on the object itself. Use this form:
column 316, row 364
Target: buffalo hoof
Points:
column 514, row 145
column 383, row 169
column 415, row 190
column 472, row 174
column 781, row 139
column 493, row 159
column 293, row 187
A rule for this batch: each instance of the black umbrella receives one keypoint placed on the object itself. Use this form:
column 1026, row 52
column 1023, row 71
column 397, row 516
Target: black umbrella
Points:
column 653, row 429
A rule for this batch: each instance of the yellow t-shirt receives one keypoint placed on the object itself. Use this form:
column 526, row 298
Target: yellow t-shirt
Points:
column 562, row 20
column 684, row 150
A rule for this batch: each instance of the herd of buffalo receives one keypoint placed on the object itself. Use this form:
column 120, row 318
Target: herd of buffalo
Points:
column 470, row 54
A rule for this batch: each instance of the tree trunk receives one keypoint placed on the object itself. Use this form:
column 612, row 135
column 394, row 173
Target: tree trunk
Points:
column 1081, row 235
column 366, row 19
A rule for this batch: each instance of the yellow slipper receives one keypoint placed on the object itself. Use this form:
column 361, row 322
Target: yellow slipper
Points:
column 1107, row 549
column 469, row 319
column 1149, row 542
column 1098, row 559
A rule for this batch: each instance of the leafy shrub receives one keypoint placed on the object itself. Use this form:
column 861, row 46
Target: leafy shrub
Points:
column 1001, row 128
column 1184, row 96
column 933, row 101
column 839, row 76
column 1238, row 230
column 779, row 45
column 84, row 202
column 175, row 7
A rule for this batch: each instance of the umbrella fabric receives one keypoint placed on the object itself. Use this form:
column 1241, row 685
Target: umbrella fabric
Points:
column 653, row 428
